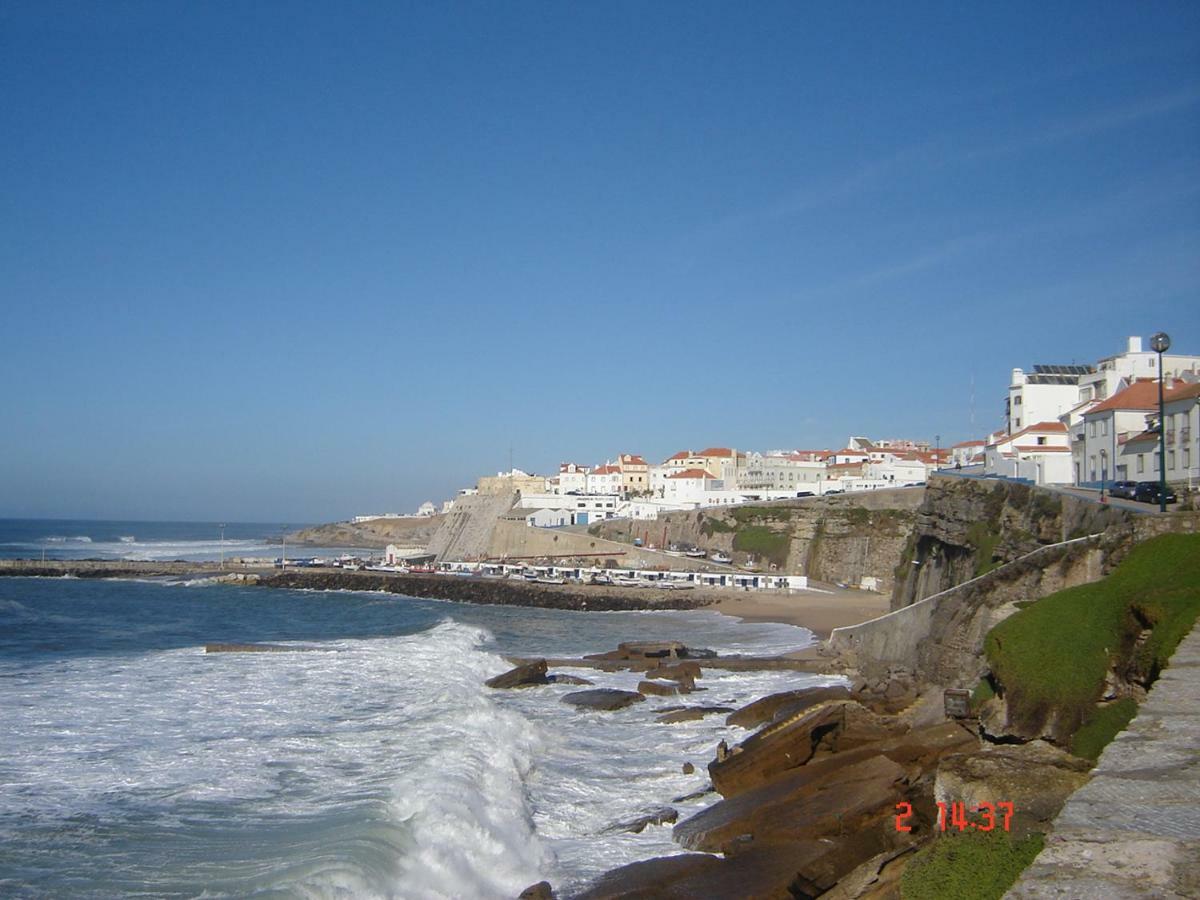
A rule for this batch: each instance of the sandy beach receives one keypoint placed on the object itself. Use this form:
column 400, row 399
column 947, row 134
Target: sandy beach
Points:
column 820, row 613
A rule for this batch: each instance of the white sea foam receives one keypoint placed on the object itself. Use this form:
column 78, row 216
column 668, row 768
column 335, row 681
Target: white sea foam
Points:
column 383, row 769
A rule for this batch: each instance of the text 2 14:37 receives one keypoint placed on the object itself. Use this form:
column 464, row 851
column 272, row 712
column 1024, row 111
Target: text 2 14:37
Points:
column 956, row 815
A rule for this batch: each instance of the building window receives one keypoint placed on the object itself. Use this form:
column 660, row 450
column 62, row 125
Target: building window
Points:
column 1141, row 465
column 1170, row 459
column 1092, row 431
column 1104, row 426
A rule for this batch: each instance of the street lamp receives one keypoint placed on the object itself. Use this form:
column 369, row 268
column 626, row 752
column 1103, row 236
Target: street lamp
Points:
column 1160, row 344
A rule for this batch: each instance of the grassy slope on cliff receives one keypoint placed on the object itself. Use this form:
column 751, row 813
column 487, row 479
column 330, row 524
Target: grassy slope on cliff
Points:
column 1051, row 658
column 970, row 866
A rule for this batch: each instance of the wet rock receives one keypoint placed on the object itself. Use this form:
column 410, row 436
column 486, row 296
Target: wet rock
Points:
column 603, row 699
column 559, row 678
column 653, row 649
column 539, row 891
column 659, row 815
column 527, row 675
column 682, row 671
column 826, row 798
column 688, row 768
column 664, row 689
column 787, row 703
column 775, row 872
column 694, row 795
column 1037, row 778
column 690, row 714
column 828, row 727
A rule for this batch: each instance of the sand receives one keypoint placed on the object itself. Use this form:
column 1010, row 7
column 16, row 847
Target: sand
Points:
column 820, row 613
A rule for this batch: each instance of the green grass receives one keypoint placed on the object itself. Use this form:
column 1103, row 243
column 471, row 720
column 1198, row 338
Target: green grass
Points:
column 711, row 526
column 1051, row 658
column 1095, row 734
column 764, row 543
column 984, row 540
column 982, row 694
column 745, row 515
column 970, row 866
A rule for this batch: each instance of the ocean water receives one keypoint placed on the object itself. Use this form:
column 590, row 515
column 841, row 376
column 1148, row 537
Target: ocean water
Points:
column 375, row 764
column 146, row 541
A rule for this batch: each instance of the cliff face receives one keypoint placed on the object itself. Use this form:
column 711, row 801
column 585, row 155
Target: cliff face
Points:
column 966, row 527
column 375, row 533
column 841, row 538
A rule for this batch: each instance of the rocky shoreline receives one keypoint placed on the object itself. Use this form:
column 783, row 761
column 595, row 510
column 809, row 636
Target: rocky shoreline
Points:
column 807, row 804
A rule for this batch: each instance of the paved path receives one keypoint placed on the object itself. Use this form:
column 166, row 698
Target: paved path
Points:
column 1134, row 829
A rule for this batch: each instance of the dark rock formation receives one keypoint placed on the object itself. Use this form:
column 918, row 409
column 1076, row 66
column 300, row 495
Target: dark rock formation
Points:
column 690, row 714
column 526, row 675
column 659, row 815
column 1037, row 778
column 539, row 891
column 832, row 726
column 680, row 671
column 559, row 678
column 814, row 801
column 787, row 703
column 603, row 699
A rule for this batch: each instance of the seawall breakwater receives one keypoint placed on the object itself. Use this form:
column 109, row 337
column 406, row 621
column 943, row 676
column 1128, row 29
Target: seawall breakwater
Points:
column 489, row 591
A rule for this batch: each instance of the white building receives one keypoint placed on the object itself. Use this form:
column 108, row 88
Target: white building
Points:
column 572, row 479
column 1115, row 372
column 777, row 472
column 1040, row 453
column 1043, row 395
column 1137, row 453
column 690, row 486
column 605, row 479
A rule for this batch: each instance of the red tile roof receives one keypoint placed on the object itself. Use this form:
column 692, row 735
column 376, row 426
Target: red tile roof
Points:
column 1144, row 436
column 632, row 459
column 1142, row 394
column 692, row 473
column 682, row 454
column 968, row 444
column 716, row 451
column 1182, row 391
column 606, row 470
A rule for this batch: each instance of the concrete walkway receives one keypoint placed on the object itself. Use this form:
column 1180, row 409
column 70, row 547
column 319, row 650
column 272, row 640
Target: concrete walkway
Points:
column 1134, row 829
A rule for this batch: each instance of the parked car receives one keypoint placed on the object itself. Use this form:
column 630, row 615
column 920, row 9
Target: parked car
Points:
column 1123, row 489
column 1151, row 492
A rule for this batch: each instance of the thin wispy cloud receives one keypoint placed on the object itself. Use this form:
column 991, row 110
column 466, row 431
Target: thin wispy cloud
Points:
column 1112, row 119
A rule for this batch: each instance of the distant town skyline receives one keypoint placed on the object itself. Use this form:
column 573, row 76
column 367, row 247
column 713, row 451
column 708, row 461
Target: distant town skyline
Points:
column 286, row 263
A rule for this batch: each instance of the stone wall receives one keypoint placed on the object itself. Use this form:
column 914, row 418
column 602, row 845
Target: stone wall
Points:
column 466, row 531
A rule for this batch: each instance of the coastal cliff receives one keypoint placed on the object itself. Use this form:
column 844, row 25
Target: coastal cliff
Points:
column 965, row 527
column 372, row 534
column 855, row 539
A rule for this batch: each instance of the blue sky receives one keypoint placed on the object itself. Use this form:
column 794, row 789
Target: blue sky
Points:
column 299, row 261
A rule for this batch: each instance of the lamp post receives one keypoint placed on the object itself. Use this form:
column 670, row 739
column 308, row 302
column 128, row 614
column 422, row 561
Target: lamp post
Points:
column 1160, row 344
